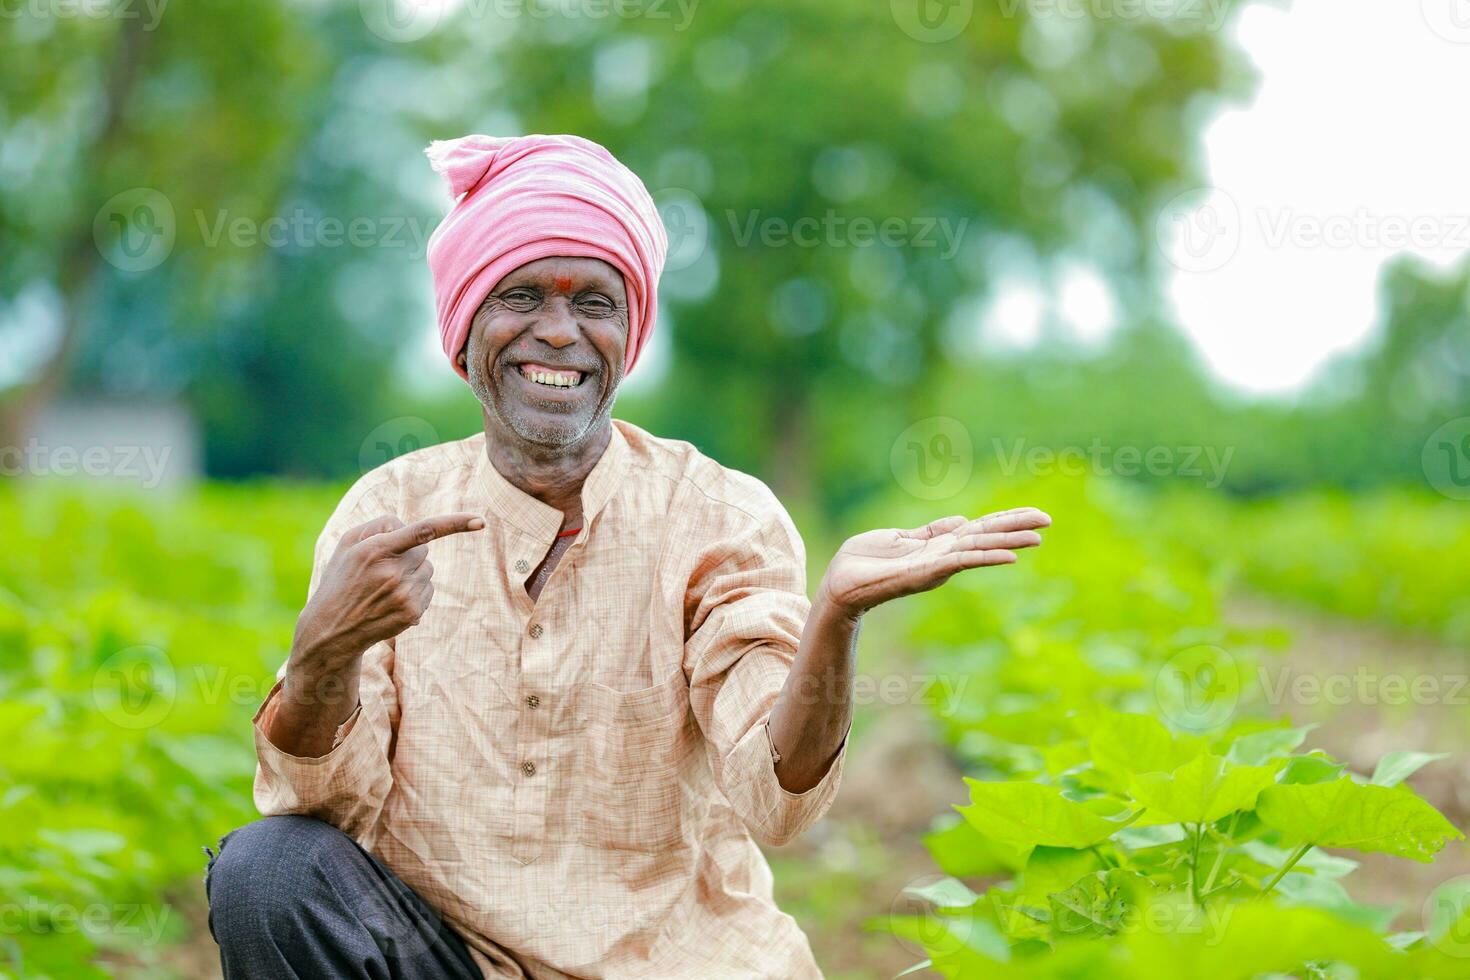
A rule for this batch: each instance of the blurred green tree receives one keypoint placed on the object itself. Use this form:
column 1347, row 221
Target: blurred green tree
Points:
column 803, row 340
column 119, row 120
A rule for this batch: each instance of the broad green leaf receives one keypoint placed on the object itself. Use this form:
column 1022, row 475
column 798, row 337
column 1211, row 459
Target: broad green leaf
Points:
column 1128, row 744
column 1137, row 838
column 1054, row 869
column 1396, row 767
column 1257, row 939
column 1203, row 790
column 960, row 850
column 1315, row 767
column 1259, row 748
column 1020, row 917
column 1362, row 817
column 1030, row 813
column 1098, row 905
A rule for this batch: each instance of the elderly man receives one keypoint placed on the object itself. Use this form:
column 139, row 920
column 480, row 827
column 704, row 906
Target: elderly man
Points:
column 554, row 681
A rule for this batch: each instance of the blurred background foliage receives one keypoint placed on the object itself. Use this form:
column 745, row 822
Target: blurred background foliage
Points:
column 1041, row 143
column 1044, row 144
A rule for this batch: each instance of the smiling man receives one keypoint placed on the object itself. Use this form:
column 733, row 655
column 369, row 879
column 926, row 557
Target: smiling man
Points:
column 554, row 682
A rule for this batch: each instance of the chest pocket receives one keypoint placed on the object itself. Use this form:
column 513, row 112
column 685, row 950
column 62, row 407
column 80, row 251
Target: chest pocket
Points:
column 638, row 750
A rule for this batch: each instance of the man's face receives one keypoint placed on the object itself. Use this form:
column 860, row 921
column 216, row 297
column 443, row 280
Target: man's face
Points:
column 546, row 348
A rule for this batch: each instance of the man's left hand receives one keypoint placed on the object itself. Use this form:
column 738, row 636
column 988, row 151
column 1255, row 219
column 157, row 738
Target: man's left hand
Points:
column 876, row 566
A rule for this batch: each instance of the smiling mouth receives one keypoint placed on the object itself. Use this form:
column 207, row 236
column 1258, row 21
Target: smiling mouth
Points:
column 550, row 377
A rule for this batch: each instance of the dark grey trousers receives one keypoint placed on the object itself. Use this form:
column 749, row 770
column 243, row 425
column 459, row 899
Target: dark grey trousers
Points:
column 295, row 897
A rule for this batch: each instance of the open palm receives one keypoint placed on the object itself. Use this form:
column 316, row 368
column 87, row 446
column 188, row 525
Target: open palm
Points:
column 876, row 566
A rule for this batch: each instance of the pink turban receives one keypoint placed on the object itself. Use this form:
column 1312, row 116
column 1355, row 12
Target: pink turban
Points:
column 524, row 198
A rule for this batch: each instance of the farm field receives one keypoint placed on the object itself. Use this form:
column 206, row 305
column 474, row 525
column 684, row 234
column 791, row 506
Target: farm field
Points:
column 1177, row 687
column 1185, row 275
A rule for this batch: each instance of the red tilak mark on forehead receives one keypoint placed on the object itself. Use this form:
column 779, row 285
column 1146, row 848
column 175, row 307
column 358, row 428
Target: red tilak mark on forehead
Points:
column 562, row 283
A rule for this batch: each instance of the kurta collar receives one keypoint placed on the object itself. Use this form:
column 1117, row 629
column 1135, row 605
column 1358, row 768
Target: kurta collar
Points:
column 506, row 501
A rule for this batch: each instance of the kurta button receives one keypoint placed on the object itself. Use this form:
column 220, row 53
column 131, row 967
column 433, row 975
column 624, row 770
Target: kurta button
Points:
column 529, row 768
column 523, row 566
column 536, row 631
column 533, row 700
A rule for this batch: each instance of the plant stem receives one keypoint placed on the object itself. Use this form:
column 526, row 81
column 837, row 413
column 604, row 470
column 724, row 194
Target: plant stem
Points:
column 1296, row 856
column 1220, row 854
column 1199, row 832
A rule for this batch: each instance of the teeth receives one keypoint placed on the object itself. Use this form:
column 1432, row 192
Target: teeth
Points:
column 555, row 380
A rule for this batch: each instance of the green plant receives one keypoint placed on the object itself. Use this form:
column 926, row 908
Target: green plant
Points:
column 1136, row 815
column 137, row 637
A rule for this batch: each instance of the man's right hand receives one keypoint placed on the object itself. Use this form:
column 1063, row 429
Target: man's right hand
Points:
column 378, row 583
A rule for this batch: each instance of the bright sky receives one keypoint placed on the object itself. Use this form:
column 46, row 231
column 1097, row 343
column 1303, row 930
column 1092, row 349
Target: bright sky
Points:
column 1357, row 148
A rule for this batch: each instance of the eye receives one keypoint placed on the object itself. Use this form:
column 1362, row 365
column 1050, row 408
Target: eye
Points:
column 521, row 299
column 596, row 304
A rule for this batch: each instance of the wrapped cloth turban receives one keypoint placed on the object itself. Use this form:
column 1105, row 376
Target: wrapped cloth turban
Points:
column 519, row 199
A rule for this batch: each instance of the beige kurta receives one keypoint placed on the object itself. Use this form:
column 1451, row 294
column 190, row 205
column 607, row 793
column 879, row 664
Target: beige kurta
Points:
column 578, row 783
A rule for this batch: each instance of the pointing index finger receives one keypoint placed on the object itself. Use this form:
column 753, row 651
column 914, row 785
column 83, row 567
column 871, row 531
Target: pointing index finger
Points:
column 429, row 529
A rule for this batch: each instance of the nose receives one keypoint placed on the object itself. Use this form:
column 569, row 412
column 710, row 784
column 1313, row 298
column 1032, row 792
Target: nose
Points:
column 556, row 327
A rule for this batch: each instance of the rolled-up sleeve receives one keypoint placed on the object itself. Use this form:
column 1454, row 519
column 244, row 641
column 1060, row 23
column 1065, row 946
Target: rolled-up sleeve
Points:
column 749, row 606
column 347, row 786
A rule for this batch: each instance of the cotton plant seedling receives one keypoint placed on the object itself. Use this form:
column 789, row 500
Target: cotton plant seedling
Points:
column 1133, row 812
column 1163, row 854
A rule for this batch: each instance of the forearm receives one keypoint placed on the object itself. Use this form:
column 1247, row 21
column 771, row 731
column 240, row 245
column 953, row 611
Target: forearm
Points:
column 814, row 710
column 316, row 697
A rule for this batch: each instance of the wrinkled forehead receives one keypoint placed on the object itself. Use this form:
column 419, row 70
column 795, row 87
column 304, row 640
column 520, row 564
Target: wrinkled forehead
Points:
column 566, row 273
